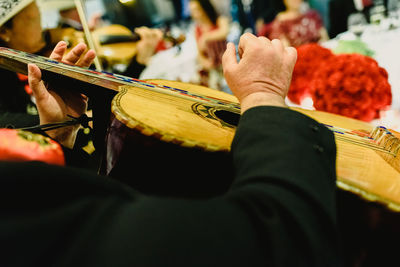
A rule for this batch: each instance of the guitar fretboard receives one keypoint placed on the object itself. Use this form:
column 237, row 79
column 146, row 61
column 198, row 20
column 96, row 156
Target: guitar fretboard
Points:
column 17, row 61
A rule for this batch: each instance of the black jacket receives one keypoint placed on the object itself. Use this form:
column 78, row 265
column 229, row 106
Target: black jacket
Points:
column 278, row 211
column 16, row 107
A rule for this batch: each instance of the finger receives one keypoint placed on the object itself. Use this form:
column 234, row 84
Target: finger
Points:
column 247, row 37
column 36, row 83
column 278, row 45
column 229, row 58
column 264, row 39
column 58, row 51
column 159, row 34
column 246, row 40
column 75, row 54
column 84, row 97
column 87, row 59
column 291, row 56
column 142, row 31
column 141, row 28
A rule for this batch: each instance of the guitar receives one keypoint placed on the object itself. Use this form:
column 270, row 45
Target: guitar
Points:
column 115, row 44
column 368, row 158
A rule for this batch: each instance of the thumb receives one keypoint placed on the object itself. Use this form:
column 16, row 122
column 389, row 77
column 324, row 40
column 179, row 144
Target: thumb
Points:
column 229, row 58
column 36, row 83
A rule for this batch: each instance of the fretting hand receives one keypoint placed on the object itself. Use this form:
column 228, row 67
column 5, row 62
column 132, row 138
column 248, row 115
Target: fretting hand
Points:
column 146, row 47
column 54, row 104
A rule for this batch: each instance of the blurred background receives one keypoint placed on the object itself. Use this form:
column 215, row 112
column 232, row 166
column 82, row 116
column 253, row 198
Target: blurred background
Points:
column 345, row 27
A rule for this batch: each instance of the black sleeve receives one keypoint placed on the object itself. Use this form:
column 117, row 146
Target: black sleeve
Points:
column 17, row 120
column 279, row 211
column 15, row 102
column 264, row 9
column 285, row 180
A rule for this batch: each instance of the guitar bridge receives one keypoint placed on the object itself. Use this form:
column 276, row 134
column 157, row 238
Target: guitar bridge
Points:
column 386, row 140
column 380, row 139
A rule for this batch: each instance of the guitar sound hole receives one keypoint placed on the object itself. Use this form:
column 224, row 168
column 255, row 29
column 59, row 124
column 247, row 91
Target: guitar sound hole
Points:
column 228, row 117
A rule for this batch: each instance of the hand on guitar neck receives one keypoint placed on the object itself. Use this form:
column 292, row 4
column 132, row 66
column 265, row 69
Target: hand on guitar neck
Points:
column 55, row 104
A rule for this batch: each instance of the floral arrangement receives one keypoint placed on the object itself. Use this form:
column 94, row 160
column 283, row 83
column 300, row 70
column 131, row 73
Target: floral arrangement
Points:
column 351, row 85
column 308, row 58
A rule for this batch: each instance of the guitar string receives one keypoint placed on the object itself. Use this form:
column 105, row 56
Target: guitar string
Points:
column 371, row 141
column 116, row 80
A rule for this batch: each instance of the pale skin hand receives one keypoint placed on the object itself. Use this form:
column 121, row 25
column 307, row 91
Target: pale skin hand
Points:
column 54, row 104
column 149, row 39
column 263, row 74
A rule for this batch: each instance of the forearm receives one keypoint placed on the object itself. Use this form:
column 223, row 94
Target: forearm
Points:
column 66, row 136
column 285, row 180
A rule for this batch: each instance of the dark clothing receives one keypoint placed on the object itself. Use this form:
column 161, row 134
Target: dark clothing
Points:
column 134, row 69
column 258, row 9
column 279, row 210
column 15, row 103
column 264, row 9
column 340, row 10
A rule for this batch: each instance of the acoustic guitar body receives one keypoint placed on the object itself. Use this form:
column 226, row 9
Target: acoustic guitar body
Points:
column 180, row 121
column 364, row 167
column 187, row 137
column 117, row 51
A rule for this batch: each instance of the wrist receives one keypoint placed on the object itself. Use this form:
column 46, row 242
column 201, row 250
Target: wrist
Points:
column 65, row 136
column 261, row 99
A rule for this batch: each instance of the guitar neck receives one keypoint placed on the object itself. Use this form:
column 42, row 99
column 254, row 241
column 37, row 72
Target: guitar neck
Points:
column 17, row 61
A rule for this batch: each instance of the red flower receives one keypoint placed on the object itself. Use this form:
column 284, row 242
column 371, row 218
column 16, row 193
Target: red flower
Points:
column 352, row 85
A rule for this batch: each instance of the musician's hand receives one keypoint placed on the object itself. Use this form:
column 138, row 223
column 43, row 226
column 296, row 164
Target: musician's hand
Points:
column 54, row 104
column 146, row 47
column 263, row 74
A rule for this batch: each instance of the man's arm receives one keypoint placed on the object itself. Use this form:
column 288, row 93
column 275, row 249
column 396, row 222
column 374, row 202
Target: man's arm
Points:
column 284, row 161
column 285, row 182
